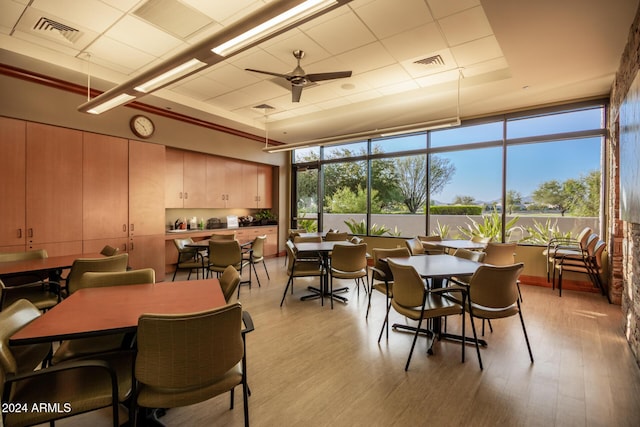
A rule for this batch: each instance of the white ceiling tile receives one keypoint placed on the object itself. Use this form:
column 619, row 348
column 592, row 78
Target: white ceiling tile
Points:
column 438, row 78
column 200, row 88
column 404, row 46
column 297, row 40
column 264, row 90
column 485, row 67
column 142, row 36
column 343, row 33
column 333, row 103
column 221, row 10
column 398, row 87
column 109, row 51
column 477, row 51
column 232, row 100
column 471, row 24
column 442, row 8
column 261, row 60
column 231, row 76
column 366, row 58
column 387, row 18
column 11, row 12
column 364, row 96
column 392, row 74
column 87, row 13
column 123, row 5
column 419, row 70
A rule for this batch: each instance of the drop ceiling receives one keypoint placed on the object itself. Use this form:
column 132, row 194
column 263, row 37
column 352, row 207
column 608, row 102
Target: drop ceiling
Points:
column 413, row 61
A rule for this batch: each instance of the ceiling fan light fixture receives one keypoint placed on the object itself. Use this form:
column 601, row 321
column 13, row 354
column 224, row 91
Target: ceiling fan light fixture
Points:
column 267, row 28
column 111, row 103
column 170, row 75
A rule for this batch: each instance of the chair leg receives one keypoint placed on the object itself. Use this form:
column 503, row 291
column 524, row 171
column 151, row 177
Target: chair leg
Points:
column 232, row 397
column 560, row 282
column 526, row 337
column 174, row 274
column 475, row 338
column 330, row 291
column 264, row 264
column 257, row 277
column 519, row 293
column 415, row 339
column 284, row 294
column 385, row 324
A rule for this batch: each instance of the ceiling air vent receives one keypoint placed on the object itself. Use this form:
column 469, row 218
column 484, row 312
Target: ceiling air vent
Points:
column 430, row 61
column 264, row 107
column 50, row 26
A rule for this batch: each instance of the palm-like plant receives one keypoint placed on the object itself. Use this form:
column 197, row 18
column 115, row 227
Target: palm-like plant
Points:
column 541, row 233
column 491, row 226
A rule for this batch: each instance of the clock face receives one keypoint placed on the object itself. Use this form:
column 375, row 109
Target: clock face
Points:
column 142, row 126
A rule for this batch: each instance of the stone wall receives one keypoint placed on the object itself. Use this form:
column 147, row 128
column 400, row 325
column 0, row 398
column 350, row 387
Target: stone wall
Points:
column 624, row 238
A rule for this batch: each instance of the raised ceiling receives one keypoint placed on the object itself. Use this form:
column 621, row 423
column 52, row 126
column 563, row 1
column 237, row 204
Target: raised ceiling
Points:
column 502, row 55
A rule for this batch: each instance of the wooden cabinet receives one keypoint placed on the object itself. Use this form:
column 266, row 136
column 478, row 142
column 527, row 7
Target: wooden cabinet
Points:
column 265, row 186
column 185, row 185
column 105, row 190
column 12, row 184
column 54, row 189
column 216, row 182
column 146, row 206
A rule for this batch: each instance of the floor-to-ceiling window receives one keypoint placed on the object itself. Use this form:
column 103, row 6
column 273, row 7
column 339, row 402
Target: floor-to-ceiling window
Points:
column 519, row 177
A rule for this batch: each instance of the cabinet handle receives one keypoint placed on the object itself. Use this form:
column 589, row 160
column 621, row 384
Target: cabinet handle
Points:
column 131, row 227
column 124, row 247
column 186, row 195
column 19, row 233
column 124, row 228
column 131, row 247
column 30, row 232
column 180, row 195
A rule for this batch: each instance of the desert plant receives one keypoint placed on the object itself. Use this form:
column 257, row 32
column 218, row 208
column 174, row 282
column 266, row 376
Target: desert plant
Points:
column 442, row 230
column 541, row 233
column 361, row 228
column 308, row 224
column 491, row 226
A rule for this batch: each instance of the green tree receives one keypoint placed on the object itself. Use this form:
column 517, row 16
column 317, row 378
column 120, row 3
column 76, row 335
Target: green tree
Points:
column 551, row 193
column 578, row 196
column 412, row 172
column 514, row 198
column 463, row 200
column 346, row 201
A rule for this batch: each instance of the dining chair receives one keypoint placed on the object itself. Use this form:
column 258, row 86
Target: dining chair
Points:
column 189, row 258
column 412, row 299
column 78, row 387
column 502, row 254
column 349, row 262
column 382, row 277
column 109, row 250
column 225, row 236
column 590, row 264
column 301, row 266
column 573, row 256
column 493, row 294
column 82, row 265
column 293, row 233
column 415, row 246
column 336, row 236
column 560, row 246
column 92, row 346
column 223, row 253
column 176, row 367
column 229, row 281
column 35, row 287
column 356, row 240
column 431, row 249
column 256, row 255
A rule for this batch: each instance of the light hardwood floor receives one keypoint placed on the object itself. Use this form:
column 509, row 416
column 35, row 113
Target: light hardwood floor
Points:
column 312, row 366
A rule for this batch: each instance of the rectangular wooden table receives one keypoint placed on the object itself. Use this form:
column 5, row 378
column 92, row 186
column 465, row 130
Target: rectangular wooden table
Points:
column 49, row 264
column 101, row 311
column 436, row 268
column 455, row 244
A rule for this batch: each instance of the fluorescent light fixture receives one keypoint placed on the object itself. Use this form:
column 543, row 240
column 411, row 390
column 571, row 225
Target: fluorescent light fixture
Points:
column 113, row 102
column 271, row 26
column 170, row 75
column 398, row 130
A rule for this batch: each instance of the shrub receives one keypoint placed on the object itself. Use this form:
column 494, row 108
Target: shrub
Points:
column 456, row 210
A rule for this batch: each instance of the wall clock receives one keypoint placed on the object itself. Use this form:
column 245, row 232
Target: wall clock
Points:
column 142, row 126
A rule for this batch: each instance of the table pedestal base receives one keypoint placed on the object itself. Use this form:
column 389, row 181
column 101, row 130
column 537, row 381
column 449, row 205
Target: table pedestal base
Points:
column 317, row 293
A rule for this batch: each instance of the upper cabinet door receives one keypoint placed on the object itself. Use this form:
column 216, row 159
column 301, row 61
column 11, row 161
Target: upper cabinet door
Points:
column 174, row 183
column 105, row 187
column 54, row 184
column 249, row 186
column 146, row 188
column 12, row 182
column 195, row 180
column 265, row 186
column 216, row 186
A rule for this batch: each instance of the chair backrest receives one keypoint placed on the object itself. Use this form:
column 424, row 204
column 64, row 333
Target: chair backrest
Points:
column 224, row 252
column 258, row 246
column 434, row 238
column 408, row 286
column 415, row 246
column 380, row 253
column 583, row 236
column 82, row 265
column 293, row 232
column 109, row 250
column 495, row 286
column 16, row 280
column 227, row 236
column 477, row 256
column 356, row 240
column 181, row 244
column 12, row 319
column 23, row 255
column 336, row 237
column 229, row 281
column 478, row 239
column 307, row 239
column 188, row 351
column 349, row 257
column 94, row 279
column 500, row 253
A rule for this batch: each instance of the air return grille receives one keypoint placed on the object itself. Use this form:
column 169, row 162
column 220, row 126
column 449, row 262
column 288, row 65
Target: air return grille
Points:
column 431, row 61
column 49, row 25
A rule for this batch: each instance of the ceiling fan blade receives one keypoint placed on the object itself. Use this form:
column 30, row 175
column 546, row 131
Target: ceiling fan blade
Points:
column 328, row 76
column 296, row 91
column 267, row 72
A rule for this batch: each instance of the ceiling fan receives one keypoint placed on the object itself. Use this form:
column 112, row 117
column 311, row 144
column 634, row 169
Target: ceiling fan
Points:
column 299, row 79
